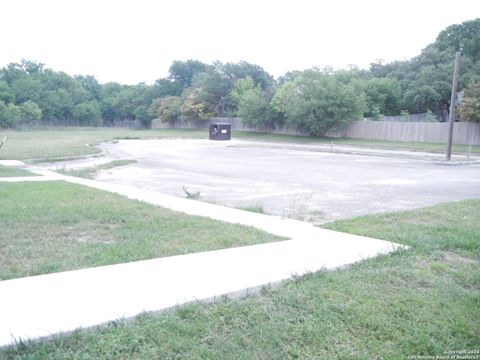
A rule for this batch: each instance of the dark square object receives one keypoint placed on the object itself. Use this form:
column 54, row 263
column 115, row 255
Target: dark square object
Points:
column 220, row 131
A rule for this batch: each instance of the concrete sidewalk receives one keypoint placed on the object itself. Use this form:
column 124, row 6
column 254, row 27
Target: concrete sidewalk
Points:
column 44, row 305
column 49, row 304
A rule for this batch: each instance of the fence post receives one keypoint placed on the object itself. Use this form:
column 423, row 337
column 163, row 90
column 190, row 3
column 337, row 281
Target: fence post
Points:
column 453, row 98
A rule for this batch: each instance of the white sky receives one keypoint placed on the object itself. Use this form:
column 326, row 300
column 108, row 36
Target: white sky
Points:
column 132, row 41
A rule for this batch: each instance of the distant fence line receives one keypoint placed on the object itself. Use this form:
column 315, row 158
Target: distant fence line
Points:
column 47, row 124
column 132, row 124
column 466, row 133
column 407, row 118
column 236, row 123
column 435, row 132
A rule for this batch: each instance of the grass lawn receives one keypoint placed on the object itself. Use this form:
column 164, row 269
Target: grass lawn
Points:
column 423, row 301
column 8, row 171
column 43, row 145
column 56, row 226
column 377, row 144
column 72, row 142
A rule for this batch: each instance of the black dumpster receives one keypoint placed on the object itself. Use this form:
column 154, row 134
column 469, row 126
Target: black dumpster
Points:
column 220, row 131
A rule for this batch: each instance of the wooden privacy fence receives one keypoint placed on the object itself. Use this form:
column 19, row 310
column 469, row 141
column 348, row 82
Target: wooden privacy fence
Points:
column 434, row 132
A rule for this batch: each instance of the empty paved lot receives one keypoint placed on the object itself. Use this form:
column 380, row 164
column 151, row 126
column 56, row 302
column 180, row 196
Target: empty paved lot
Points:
column 319, row 186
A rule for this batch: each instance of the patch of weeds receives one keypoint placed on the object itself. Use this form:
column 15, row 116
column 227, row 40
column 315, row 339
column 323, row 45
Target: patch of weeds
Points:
column 316, row 217
column 56, row 159
column 254, row 208
column 300, row 207
column 128, row 138
column 91, row 172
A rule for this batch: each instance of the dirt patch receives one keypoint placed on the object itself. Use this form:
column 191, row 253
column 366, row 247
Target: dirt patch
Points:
column 450, row 257
column 89, row 236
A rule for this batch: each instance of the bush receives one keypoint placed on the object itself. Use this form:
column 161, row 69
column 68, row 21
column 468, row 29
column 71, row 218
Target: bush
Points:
column 469, row 109
column 430, row 116
column 30, row 111
column 10, row 114
column 167, row 109
column 316, row 102
column 88, row 113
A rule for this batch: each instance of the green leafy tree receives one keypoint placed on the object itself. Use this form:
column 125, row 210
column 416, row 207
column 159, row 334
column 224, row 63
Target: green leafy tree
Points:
column 469, row 109
column 141, row 114
column 30, row 111
column 91, row 85
column 215, row 91
column 87, row 113
column 6, row 93
column 28, row 88
column 126, row 102
column 425, row 81
column 421, row 98
column 383, row 97
column 25, row 68
column 108, row 103
column 73, row 100
column 10, row 114
column 253, row 104
column 253, row 109
column 236, row 71
column 430, row 89
column 167, row 109
column 183, row 72
column 374, row 112
column 167, row 87
column 240, row 88
column 316, row 102
column 59, row 80
column 465, row 36
column 196, row 105
column 57, row 105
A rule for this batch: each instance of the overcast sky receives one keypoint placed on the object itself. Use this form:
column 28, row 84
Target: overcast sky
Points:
column 132, row 41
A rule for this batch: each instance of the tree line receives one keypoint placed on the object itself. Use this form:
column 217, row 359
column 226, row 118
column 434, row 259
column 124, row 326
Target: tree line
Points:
column 313, row 100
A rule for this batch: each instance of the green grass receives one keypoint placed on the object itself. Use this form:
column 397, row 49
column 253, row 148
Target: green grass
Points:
column 67, row 143
column 90, row 172
column 254, row 208
column 60, row 143
column 56, row 226
column 8, row 171
column 377, row 144
column 423, row 301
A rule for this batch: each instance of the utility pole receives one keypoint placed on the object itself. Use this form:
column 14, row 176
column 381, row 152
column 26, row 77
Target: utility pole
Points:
column 453, row 100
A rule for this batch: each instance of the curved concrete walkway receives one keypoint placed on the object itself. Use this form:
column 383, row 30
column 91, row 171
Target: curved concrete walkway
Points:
column 44, row 305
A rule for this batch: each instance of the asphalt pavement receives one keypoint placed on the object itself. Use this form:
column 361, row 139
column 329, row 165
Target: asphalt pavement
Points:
column 317, row 183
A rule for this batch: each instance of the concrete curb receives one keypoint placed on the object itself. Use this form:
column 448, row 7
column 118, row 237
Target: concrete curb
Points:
column 341, row 149
column 13, row 163
column 457, row 163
